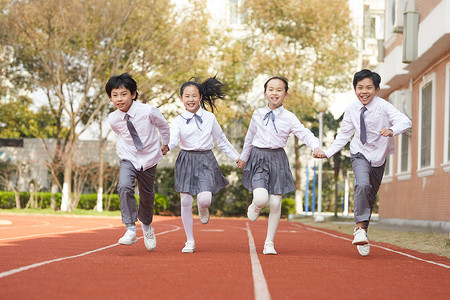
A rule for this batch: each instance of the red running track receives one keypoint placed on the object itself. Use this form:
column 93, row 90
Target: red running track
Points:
column 69, row 257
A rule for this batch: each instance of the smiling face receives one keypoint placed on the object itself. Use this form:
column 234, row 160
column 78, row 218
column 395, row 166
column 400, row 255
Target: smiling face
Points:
column 275, row 93
column 122, row 98
column 191, row 98
column 365, row 90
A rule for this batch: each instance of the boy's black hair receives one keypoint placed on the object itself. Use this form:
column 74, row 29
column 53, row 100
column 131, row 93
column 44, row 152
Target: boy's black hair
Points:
column 123, row 80
column 365, row 73
column 210, row 90
column 286, row 85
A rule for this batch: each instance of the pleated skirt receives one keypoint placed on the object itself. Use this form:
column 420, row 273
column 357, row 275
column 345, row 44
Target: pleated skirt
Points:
column 198, row 171
column 269, row 169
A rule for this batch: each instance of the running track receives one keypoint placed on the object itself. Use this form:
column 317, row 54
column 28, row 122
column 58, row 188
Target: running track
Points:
column 69, row 257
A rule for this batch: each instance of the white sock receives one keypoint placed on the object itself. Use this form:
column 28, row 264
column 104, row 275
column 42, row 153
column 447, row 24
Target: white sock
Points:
column 260, row 198
column 146, row 227
column 204, row 199
column 131, row 226
column 274, row 216
column 186, row 216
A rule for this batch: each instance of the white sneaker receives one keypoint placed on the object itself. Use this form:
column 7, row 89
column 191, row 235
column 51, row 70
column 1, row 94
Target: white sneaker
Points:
column 149, row 238
column 203, row 215
column 269, row 249
column 129, row 238
column 189, row 247
column 252, row 212
column 364, row 250
column 360, row 237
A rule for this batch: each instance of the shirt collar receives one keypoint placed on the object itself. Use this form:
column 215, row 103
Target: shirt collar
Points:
column 188, row 114
column 276, row 112
column 369, row 106
column 131, row 111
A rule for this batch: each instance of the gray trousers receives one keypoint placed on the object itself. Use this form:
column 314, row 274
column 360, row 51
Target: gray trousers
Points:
column 368, row 180
column 146, row 182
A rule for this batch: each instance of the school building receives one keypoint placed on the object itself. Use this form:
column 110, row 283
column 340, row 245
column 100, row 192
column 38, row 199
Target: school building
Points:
column 415, row 74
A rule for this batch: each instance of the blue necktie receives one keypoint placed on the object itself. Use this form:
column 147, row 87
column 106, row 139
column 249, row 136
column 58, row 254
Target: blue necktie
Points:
column 197, row 119
column 268, row 116
column 362, row 125
column 134, row 134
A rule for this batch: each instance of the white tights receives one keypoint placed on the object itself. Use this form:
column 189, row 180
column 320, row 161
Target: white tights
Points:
column 203, row 201
column 260, row 199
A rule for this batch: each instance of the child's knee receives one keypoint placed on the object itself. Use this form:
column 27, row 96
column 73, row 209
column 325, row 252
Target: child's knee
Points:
column 275, row 202
column 186, row 200
column 204, row 199
column 260, row 197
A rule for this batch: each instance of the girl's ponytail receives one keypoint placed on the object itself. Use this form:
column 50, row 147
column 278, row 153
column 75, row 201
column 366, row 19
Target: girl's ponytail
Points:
column 211, row 90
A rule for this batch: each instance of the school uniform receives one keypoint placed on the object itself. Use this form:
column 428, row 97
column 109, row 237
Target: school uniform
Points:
column 368, row 158
column 138, row 164
column 267, row 165
column 196, row 168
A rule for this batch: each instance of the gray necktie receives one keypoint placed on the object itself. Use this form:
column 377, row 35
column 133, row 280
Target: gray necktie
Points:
column 134, row 134
column 362, row 124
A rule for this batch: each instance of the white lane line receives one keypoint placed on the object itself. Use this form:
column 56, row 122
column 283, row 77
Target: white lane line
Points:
column 381, row 247
column 259, row 281
column 25, row 268
column 56, row 233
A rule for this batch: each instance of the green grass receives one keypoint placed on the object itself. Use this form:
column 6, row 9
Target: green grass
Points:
column 49, row 211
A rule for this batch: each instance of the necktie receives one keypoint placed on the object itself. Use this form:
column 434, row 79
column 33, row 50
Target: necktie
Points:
column 268, row 116
column 134, row 134
column 362, row 124
column 197, row 119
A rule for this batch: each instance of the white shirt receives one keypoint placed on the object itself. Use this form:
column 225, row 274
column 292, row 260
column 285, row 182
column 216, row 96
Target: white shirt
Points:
column 146, row 119
column 197, row 136
column 262, row 134
column 380, row 114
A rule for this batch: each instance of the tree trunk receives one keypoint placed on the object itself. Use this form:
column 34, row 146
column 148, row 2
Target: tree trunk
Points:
column 298, row 182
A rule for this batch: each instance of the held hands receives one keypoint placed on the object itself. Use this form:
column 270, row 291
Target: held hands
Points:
column 318, row 153
column 164, row 149
column 240, row 163
column 386, row 132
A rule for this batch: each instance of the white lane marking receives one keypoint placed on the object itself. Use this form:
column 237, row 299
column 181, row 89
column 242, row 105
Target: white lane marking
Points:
column 25, row 268
column 56, row 233
column 260, row 287
column 5, row 222
column 214, row 230
column 381, row 247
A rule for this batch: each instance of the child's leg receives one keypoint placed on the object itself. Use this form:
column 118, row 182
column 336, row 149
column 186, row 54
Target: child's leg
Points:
column 204, row 199
column 146, row 180
column 186, row 216
column 362, row 169
column 274, row 216
column 125, row 188
column 260, row 198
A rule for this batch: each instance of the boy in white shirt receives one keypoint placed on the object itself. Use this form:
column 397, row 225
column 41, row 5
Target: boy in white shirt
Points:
column 372, row 122
column 139, row 151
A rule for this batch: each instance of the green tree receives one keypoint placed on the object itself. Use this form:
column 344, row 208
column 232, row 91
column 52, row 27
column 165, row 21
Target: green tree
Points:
column 310, row 43
column 67, row 51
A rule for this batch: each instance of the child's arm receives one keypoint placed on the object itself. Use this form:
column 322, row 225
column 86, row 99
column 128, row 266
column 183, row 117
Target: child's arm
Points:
column 174, row 134
column 251, row 132
column 345, row 133
column 400, row 122
column 160, row 122
column 305, row 135
column 222, row 141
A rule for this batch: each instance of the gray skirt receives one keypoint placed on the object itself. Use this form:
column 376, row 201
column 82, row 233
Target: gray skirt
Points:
column 198, row 171
column 269, row 169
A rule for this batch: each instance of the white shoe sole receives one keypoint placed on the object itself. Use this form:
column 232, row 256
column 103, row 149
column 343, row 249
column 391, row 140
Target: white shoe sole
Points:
column 251, row 214
column 364, row 250
column 204, row 217
column 127, row 243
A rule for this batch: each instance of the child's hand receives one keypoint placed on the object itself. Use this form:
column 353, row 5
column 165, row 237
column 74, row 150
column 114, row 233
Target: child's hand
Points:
column 164, row 149
column 318, row 153
column 240, row 163
column 386, row 132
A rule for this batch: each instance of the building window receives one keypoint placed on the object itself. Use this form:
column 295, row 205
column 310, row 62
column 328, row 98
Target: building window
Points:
column 446, row 164
column 388, row 170
column 404, row 156
column 237, row 11
column 426, row 126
